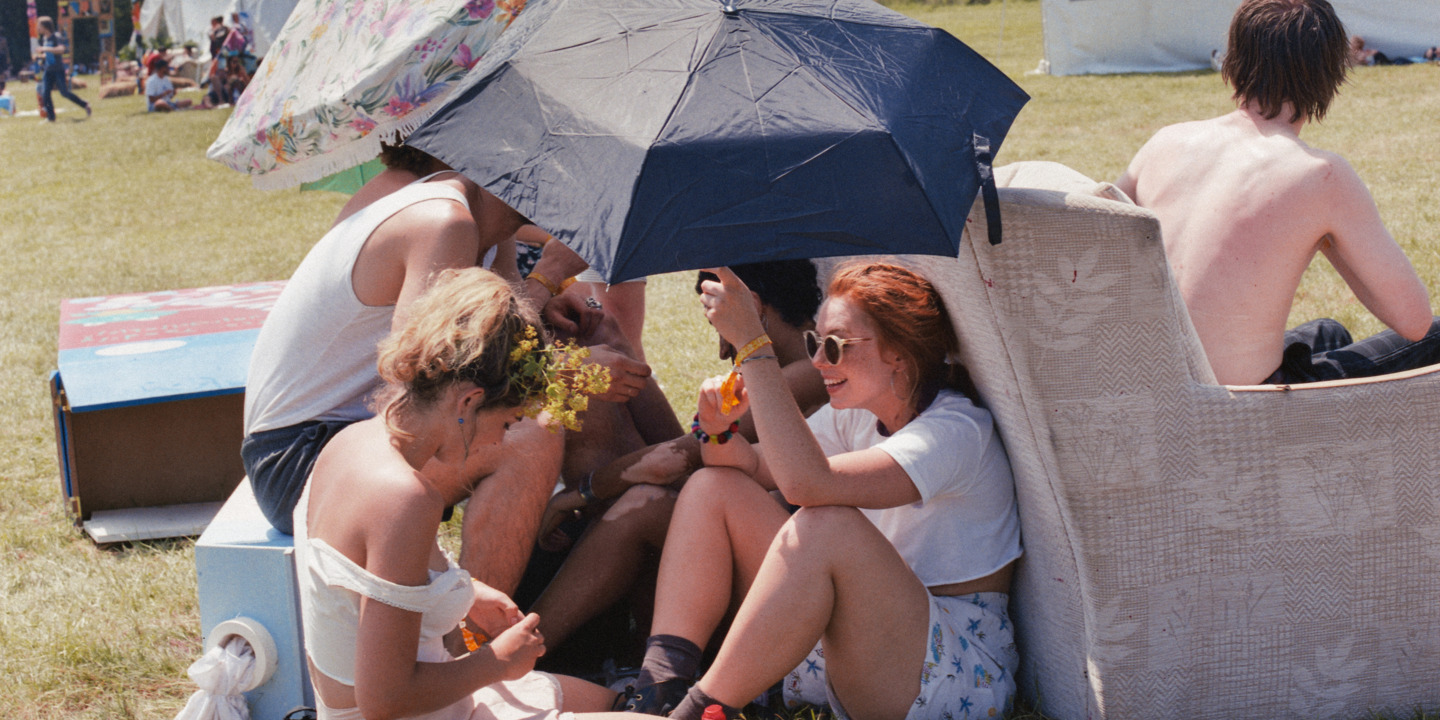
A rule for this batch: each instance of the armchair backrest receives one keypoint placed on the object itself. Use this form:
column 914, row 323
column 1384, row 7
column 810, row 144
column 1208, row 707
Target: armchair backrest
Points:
column 1190, row 548
column 1076, row 303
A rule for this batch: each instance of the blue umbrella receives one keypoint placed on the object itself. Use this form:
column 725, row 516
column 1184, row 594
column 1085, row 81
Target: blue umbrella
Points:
column 660, row 135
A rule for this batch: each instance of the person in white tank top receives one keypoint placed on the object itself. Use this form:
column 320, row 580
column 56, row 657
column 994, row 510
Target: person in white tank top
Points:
column 313, row 367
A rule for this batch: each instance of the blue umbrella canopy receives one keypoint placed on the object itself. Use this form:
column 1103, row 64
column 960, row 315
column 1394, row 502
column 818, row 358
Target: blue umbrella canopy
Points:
column 660, row 135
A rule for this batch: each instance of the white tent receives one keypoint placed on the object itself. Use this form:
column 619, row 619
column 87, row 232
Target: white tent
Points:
column 187, row 20
column 1116, row 36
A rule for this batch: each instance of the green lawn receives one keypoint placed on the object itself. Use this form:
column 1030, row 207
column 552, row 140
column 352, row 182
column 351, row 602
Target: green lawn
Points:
column 127, row 202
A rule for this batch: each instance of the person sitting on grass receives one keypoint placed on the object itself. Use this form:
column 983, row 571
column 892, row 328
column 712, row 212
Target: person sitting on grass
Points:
column 377, row 594
column 636, row 492
column 1244, row 204
column 890, row 583
column 160, row 91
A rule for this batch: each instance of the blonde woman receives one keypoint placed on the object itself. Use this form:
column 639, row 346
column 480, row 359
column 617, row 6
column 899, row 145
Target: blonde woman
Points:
column 377, row 592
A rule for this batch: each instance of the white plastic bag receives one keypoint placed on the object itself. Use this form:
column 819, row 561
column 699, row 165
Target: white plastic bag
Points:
column 222, row 675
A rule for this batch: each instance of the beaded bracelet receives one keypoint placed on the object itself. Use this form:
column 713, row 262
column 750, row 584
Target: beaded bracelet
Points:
column 719, row 439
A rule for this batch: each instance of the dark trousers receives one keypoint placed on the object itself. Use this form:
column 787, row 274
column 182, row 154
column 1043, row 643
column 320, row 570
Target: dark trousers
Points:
column 1323, row 350
column 54, row 80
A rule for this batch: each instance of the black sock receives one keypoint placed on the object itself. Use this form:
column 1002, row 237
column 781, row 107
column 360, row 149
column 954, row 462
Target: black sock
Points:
column 694, row 704
column 666, row 657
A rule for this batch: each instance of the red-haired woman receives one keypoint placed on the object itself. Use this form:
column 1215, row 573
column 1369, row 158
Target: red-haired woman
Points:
column 885, row 594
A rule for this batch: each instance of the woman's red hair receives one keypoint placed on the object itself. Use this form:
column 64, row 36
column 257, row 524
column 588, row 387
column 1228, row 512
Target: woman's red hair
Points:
column 911, row 320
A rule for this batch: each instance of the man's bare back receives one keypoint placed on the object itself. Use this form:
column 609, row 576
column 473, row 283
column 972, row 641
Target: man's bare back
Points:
column 1244, row 204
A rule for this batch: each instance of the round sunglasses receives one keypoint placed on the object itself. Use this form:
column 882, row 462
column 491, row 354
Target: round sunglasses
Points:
column 833, row 346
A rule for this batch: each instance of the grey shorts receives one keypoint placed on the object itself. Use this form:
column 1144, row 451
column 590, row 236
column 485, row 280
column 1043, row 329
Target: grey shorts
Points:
column 279, row 461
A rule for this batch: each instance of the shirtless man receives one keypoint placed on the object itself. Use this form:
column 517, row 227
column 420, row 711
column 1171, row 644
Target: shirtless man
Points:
column 1244, row 205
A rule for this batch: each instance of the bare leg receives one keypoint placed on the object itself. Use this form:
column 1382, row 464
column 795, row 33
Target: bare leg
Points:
column 591, row 700
column 605, row 563
column 583, row 696
column 609, row 433
column 721, row 528
column 503, row 514
column 829, row 573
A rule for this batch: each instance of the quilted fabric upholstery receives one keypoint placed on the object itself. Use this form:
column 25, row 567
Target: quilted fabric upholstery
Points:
column 1192, row 550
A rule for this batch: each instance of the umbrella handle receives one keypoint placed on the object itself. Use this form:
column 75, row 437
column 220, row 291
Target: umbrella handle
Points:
column 984, row 164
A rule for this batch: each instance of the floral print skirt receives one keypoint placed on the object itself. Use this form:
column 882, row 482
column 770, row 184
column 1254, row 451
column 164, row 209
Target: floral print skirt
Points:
column 968, row 670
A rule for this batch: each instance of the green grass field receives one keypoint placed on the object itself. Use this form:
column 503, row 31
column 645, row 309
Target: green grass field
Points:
column 127, row 202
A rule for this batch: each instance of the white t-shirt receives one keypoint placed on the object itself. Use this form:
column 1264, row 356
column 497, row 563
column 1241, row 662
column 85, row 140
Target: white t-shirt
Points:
column 965, row 525
column 157, row 85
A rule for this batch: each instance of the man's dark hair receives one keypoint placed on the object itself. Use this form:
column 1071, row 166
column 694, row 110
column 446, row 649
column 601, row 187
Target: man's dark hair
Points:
column 789, row 286
column 1283, row 51
column 46, row 23
column 404, row 157
column 217, row 20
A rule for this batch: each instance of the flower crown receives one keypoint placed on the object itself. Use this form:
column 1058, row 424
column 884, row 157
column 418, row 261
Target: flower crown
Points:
column 554, row 380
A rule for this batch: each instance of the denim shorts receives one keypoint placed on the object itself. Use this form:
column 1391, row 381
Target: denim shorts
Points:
column 279, row 461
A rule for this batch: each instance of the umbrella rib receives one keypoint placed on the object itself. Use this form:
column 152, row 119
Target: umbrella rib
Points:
column 929, row 202
column 674, row 108
column 812, row 157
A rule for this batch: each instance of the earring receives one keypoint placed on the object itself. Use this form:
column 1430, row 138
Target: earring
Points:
column 893, row 373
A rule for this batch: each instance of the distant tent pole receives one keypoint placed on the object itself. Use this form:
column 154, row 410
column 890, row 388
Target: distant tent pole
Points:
column 1001, row 49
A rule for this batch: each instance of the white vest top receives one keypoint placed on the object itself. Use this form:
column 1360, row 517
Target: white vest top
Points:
column 316, row 353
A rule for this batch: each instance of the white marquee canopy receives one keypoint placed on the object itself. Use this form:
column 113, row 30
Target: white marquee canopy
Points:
column 187, row 20
column 1118, row 36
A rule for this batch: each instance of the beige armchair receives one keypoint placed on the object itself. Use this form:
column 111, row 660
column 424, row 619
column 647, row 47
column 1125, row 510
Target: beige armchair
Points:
column 1191, row 550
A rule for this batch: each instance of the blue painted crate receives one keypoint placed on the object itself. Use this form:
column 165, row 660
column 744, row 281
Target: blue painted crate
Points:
column 246, row 569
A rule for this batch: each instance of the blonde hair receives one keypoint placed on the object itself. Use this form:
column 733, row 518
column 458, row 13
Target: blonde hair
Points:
column 462, row 329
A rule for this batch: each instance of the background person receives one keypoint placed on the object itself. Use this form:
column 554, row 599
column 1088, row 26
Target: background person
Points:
column 1244, row 204
column 51, row 53
column 899, row 608
column 160, row 91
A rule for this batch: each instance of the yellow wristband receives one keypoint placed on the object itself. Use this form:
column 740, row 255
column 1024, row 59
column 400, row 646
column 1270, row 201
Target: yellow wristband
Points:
column 550, row 287
column 750, row 348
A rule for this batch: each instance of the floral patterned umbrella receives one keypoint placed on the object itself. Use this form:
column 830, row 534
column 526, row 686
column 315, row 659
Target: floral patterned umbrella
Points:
column 343, row 75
